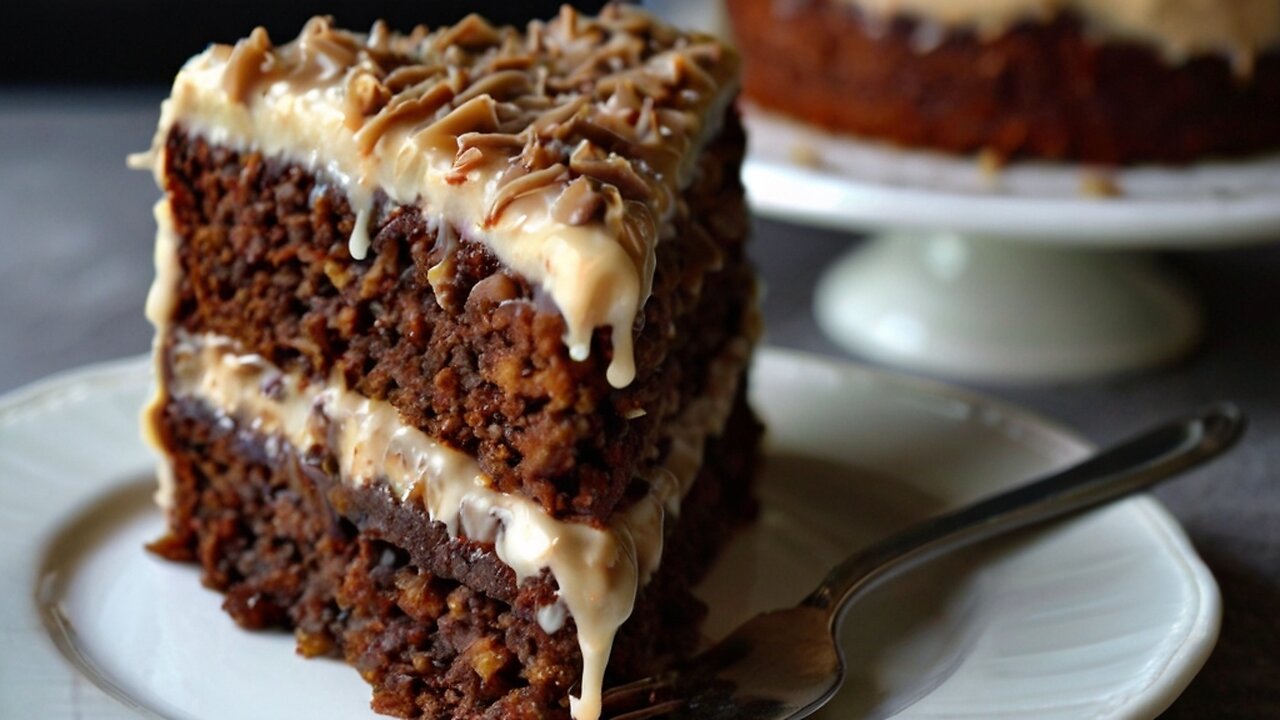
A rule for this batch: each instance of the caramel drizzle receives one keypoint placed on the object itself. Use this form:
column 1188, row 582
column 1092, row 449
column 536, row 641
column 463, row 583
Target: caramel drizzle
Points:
column 597, row 111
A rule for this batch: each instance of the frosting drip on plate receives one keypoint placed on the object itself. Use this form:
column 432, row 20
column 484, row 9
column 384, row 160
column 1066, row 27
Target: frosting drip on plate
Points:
column 564, row 148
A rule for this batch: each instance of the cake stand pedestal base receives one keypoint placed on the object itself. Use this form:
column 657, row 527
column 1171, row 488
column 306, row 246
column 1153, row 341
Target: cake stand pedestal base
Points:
column 1004, row 310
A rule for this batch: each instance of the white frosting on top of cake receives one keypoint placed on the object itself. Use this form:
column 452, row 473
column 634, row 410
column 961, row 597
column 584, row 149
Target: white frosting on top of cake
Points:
column 598, row 571
column 563, row 149
column 1181, row 28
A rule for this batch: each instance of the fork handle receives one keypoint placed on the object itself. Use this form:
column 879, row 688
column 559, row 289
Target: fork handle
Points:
column 1110, row 474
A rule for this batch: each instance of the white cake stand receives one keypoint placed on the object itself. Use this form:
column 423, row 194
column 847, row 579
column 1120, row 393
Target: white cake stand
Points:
column 1030, row 272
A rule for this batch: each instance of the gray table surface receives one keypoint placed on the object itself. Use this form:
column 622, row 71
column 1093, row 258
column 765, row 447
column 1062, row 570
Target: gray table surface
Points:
column 75, row 261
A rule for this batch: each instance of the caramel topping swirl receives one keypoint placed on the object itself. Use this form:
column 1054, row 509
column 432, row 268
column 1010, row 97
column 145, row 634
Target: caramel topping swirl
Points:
column 596, row 95
column 563, row 147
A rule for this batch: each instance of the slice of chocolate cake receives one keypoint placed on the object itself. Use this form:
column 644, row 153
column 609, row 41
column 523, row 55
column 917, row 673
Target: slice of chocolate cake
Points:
column 452, row 334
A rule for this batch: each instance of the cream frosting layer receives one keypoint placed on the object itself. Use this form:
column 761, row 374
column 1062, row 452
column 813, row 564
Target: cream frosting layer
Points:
column 162, row 300
column 1181, row 28
column 563, row 149
column 598, row 571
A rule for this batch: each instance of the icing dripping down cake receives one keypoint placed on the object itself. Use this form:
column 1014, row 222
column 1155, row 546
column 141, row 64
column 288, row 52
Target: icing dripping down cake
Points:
column 452, row 331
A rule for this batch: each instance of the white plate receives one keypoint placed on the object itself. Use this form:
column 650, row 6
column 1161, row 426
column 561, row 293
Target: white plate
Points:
column 803, row 174
column 1105, row 616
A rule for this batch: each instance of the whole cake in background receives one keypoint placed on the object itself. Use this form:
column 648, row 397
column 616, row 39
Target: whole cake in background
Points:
column 1100, row 81
column 452, row 336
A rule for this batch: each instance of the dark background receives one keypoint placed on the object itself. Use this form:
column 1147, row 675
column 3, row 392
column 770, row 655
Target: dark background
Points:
column 80, row 84
column 144, row 42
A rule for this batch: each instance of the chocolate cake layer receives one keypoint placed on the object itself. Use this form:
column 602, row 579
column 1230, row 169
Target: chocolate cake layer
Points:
column 448, row 325
column 437, row 625
column 468, row 351
column 563, row 147
column 1035, row 90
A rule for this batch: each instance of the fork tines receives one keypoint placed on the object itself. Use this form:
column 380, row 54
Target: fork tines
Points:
column 652, row 711
column 641, row 699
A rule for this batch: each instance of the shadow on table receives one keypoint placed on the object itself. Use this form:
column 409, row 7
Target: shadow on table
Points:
column 1241, row 678
column 1234, row 519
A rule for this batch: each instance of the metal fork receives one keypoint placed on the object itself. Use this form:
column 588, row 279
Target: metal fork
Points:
column 787, row 663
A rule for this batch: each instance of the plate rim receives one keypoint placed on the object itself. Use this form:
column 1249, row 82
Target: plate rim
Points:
column 780, row 186
column 1179, row 668
column 1182, row 666
column 869, row 207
